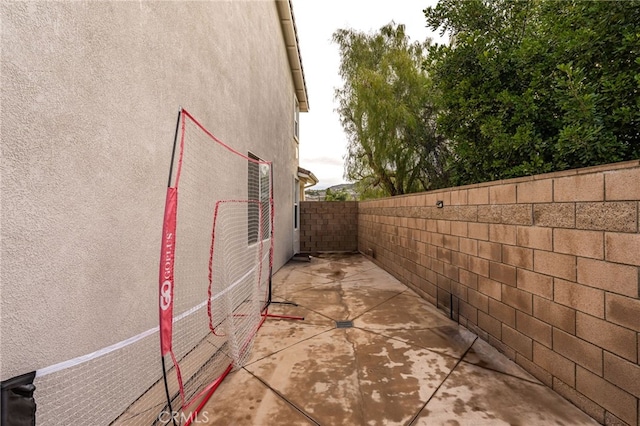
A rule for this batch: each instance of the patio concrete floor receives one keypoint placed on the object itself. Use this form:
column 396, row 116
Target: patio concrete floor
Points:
column 403, row 362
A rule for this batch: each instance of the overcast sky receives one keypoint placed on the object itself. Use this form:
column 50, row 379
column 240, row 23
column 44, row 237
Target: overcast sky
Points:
column 322, row 140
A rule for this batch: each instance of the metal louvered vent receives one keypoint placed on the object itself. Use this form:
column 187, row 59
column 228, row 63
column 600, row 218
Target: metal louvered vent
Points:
column 344, row 324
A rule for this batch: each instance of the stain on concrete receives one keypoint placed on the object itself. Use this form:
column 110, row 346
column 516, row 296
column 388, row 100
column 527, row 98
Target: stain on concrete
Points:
column 243, row 400
column 381, row 372
column 474, row 395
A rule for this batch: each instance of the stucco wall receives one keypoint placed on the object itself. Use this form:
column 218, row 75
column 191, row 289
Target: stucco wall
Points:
column 90, row 94
column 545, row 268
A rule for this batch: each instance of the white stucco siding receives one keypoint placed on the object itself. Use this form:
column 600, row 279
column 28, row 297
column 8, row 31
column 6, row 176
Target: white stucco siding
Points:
column 90, row 95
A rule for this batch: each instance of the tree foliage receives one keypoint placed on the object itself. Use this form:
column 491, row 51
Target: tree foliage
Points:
column 337, row 195
column 532, row 86
column 386, row 111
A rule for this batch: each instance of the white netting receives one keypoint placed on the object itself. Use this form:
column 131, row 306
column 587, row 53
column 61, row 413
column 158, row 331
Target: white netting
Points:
column 123, row 386
column 222, row 264
column 222, row 261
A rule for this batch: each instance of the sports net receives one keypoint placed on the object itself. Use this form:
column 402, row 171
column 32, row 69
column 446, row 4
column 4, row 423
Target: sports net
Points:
column 215, row 264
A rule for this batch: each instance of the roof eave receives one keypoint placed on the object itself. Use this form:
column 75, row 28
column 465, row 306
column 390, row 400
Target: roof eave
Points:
column 290, row 33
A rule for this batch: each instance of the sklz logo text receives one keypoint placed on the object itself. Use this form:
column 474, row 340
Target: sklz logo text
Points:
column 167, row 273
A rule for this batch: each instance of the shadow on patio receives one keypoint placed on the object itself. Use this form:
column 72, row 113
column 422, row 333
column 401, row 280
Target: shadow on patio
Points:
column 402, row 362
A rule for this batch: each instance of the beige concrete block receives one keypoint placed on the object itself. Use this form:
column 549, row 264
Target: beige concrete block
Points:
column 535, row 237
column 557, row 315
column 555, row 264
column 579, row 400
column 624, row 311
column 540, row 191
column 554, row 363
column 579, row 351
column 579, row 242
column 468, row 279
column 489, row 324
column 469, row 246
column 611, row 420
column 535, row 370
column 460, row 259
column 622, row 279
column 556, row 215
column 451, row 242
column 507, row 351
column 582, row 298
column 503, row 273
column 443, row 226
column 520, row 300
column 622, row 248
column 451, row 271
column 443, row 254
column 534, row 328
column 478, row 195
column 502, row 194
column 491, row 251
column 517, row 256
column 467, row 213
column 518, row 341
column 622, row 373
column 490, row 287
column 517, row 214
column 469, row 312
column 459, row 197
column 459, row 229
column 502, row 233
column 478, row 231
column 539, row 284
column 479, row 266
column 609, row 216
column 504, row 313
column 610, row 397
column 623, row 184
column 588, row 187
column 490, row 213
column 478, row 300
column 616, row 339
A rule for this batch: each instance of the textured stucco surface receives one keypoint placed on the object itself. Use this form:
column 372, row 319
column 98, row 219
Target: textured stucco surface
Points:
column 90, row 94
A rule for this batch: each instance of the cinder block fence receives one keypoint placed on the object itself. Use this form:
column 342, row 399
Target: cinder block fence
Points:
column 328, row 226
column 545, row 268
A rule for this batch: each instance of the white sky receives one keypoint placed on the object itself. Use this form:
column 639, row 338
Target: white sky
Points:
column 322, row 140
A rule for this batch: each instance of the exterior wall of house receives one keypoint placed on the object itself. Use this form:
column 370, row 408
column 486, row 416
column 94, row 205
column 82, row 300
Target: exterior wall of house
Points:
column 328, row 226
column 545, row 268
column 90, row 95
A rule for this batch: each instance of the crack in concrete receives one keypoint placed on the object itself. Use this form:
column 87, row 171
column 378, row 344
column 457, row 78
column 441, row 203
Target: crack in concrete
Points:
column 417, row 415
column 358, row 382
column 286, row 400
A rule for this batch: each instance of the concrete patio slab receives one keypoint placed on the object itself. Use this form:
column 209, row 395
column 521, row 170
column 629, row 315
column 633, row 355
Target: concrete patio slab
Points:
column 402, row 362
column 352, row 376
column 473, row 395
column 245, row 400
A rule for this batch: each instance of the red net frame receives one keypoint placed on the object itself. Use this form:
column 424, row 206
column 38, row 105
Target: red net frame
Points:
column 210, row 205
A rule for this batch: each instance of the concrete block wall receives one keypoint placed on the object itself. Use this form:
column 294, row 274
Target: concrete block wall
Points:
column 545, row 268
column 328, row 226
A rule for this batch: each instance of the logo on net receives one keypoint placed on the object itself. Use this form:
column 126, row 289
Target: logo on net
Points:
column 165, row 295
column 167, row 268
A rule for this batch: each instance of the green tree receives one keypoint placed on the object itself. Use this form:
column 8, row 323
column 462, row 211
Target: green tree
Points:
column 339, row 195
column 385, row 109
column 532, row 86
